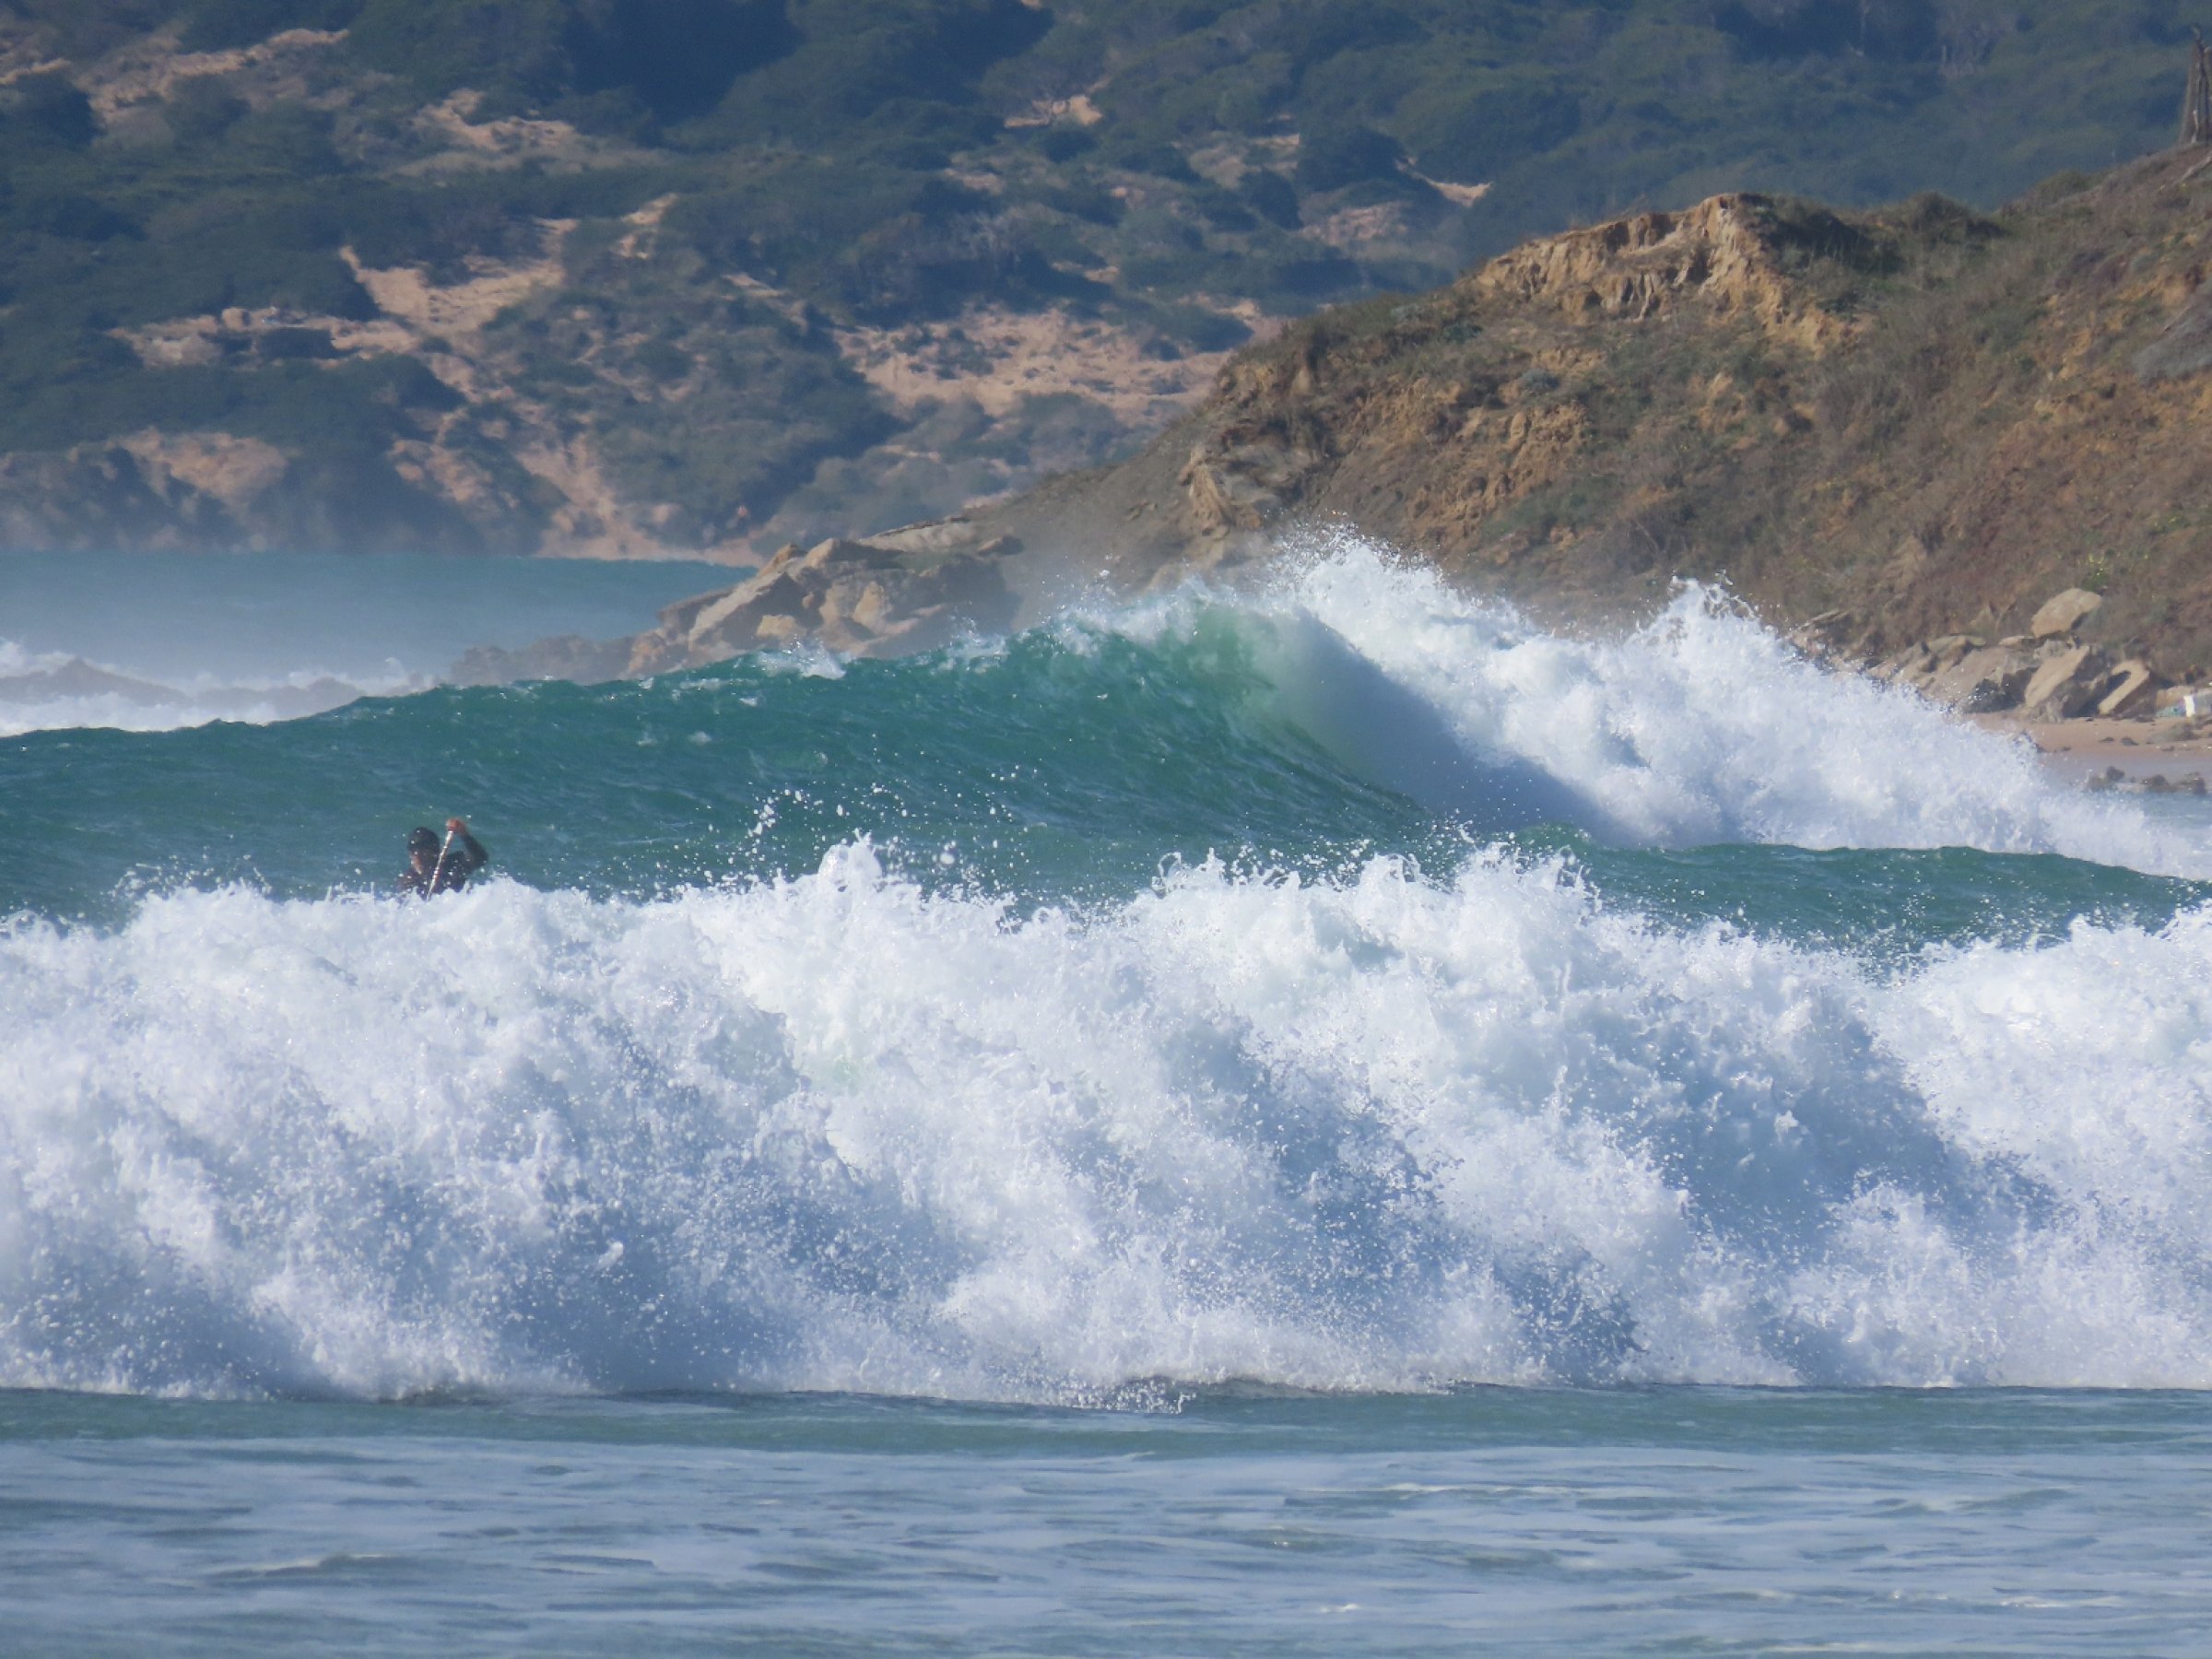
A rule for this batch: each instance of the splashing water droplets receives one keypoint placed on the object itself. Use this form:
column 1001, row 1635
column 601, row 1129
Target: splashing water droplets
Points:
column 1367, row 1127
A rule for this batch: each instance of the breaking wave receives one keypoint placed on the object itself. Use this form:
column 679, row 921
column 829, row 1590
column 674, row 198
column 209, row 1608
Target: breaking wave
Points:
column 1701, row 727
column 818, row 1112
column 836, row 1133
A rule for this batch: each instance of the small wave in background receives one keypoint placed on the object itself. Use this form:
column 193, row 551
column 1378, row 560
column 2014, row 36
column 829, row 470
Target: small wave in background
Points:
column 146, row 644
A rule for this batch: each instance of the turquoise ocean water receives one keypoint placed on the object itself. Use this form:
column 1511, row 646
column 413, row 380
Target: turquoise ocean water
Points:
column 1326, row 1119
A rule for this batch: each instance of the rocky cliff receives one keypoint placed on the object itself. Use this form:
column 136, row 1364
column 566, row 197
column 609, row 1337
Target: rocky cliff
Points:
column 910, row 590
column 1911, row 424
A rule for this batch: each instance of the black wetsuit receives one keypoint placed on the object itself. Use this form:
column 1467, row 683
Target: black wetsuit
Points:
column 462, row 859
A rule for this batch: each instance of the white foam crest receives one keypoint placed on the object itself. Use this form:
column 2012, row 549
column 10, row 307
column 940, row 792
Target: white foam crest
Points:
column 835, row 1133
column 1701, row 727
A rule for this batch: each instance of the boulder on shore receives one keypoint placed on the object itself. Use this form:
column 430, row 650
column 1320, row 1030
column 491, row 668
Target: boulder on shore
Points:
column 1832, row 636
column 2131, row 690
column 2062, row 613
column 2053, row 678
column 2066, row 685
column 1920, row 665
column 1984, row 678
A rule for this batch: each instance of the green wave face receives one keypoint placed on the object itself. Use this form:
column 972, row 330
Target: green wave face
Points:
column 1344, row 986
column 1066, row 764
column 1071, row 763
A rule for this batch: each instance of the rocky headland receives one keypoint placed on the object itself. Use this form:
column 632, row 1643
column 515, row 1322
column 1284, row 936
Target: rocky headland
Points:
column 1965, row 452
column 912, row 590
column 1913, row 425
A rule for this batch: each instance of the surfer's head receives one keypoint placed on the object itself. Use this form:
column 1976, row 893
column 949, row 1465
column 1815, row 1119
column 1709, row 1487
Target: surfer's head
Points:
column 422, row 846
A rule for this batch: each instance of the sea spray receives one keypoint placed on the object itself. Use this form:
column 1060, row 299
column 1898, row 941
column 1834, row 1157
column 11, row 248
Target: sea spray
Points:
column 838, row 1132
column 1346, row 985
column 1356, row 707
column 1702, row 726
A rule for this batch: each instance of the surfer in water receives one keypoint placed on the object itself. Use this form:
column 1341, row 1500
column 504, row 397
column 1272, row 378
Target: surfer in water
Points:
column 435, row 868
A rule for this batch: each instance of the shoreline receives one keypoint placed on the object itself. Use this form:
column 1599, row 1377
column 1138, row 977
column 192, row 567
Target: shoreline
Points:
column 2139, row 748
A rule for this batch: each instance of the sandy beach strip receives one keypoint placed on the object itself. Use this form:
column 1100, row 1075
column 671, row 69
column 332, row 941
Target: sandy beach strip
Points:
column 2177, row 749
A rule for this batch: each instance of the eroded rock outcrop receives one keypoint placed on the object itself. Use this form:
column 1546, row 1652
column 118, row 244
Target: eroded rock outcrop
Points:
column 906, row 591
column 1437, row 422
column 1728, row 252
column 2045, row 675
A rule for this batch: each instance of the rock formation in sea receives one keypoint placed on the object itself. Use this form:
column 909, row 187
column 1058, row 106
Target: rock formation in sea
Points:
column 910, row 590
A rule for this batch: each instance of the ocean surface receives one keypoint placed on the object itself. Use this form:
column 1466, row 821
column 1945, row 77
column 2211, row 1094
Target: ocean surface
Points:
column 1319, row 1119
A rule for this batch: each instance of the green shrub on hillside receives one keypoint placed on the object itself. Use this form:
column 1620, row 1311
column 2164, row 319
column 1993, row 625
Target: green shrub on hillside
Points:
column 46, row 111
column 1462, row 133
column 861, row 73
column 607, row 63
column 1331, row 157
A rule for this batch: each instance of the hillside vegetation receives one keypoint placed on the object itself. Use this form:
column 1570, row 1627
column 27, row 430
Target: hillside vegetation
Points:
column 640, row 276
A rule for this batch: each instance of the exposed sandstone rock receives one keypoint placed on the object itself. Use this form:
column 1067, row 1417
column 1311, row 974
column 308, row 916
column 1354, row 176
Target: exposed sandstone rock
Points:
column 1724, row 251
column 2062, row 613
column 1240, row 482
column 2132, row 689
column 2066, row 685
column 235, row 471
column 1987, row 678
column 865, row 598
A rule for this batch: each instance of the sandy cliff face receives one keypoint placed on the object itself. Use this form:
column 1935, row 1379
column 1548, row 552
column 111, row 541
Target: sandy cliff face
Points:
column 1726, row 255
column 1925, row 419
column 910, row 590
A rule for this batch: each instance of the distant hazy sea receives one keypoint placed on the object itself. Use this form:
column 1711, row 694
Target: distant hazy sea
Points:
column 1326, row 1120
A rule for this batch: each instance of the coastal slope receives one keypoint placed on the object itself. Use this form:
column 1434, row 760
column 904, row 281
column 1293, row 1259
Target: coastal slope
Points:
column 701, row 278
column 1912, row 422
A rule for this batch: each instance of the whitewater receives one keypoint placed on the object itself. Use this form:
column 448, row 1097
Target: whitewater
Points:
column 1346, row 985
column 1318, row 1116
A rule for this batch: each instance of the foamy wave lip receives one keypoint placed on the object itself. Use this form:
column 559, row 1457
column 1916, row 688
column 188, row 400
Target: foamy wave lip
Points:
column 835, row 1133
column 1699, row 728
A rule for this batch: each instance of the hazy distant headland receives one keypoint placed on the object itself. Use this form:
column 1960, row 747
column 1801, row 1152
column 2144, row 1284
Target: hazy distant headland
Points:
column 685, row 277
